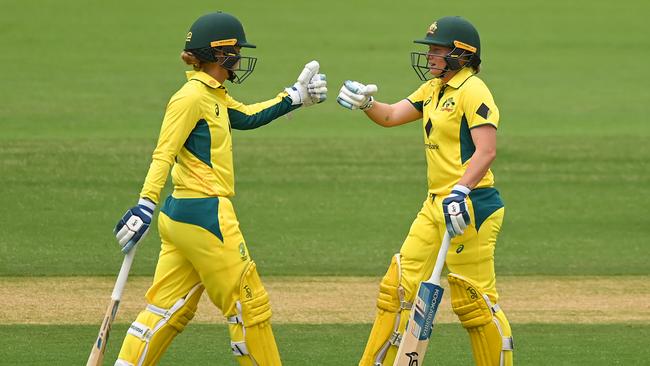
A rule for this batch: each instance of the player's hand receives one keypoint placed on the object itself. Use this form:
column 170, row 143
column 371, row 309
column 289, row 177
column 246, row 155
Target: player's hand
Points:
column 354, row 95
column 300, row 93
column 134, row 225
column 317, row 88
column 454, row 207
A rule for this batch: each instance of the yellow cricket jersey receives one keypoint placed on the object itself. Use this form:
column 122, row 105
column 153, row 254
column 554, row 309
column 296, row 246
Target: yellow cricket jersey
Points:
column 195, row 138
column 449, row 112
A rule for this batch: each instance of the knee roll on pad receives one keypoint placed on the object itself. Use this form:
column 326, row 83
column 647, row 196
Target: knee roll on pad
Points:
column 390, row 302
column 254, row 300
column 391, row 293
column 250, row 328
column 155, row 328
column 486, row 324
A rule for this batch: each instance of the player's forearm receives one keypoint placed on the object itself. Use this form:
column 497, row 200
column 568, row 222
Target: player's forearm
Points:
column 155, row 180
column 380, row 113
column 478, row 166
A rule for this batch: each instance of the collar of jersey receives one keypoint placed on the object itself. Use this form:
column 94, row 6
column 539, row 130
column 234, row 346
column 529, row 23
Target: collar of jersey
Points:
column 204, row 78
column 460, row 77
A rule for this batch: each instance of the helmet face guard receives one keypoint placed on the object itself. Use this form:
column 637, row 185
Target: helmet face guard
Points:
column 228, row 56
column 456, row 59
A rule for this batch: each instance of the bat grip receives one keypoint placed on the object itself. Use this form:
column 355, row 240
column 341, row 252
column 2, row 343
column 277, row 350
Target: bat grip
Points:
column 440, row 260
column 123, row 275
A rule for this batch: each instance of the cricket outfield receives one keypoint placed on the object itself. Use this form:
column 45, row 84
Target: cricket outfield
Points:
column 324, row 197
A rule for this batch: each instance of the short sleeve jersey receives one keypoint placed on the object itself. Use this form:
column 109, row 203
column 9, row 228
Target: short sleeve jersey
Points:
column 195, row 139
column 449, row 112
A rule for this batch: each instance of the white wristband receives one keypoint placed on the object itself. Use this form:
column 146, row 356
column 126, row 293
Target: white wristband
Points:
column 145, row 202
column 462, row 188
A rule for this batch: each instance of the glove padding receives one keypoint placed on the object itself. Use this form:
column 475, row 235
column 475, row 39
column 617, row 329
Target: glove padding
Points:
column 354, row 95
column 454, row 207
column 310, row 88
column 134, row 225
column 317, row 88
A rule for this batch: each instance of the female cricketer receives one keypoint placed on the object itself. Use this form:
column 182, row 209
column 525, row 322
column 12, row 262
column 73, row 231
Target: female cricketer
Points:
column 459, row 123
column 202, row 246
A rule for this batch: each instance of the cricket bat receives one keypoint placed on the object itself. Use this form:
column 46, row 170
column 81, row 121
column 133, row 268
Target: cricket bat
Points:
column 96, row 357
column 416, row 337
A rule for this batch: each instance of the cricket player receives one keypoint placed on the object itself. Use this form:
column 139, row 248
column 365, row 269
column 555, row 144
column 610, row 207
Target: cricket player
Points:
column 202, row 245
column 459, row 125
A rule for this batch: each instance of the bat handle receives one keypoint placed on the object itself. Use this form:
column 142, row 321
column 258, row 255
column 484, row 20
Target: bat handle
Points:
column 123, row 275
column 440, row 260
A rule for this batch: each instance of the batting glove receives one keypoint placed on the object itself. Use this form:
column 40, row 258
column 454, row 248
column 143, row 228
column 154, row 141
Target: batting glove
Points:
column 134, row 225
column 317, row 88
column 310, row 88
column 454, row 207
column 354, row 95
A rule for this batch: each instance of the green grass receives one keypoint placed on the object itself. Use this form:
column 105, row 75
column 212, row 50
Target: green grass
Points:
column 325, row 192
column 337, row 345
column 341, row 207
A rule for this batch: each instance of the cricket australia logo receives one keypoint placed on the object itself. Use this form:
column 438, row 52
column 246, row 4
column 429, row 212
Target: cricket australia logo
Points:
column 448, row 105
column 432, row 28
column 242, row 251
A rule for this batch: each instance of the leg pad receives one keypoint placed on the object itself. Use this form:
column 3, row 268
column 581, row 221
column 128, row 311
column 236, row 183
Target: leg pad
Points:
column 252, row 340
column 486, row 324
column 386, row 334
column 150, row 334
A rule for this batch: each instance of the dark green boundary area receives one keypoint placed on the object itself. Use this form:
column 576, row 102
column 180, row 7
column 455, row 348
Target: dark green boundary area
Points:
column 336, row 344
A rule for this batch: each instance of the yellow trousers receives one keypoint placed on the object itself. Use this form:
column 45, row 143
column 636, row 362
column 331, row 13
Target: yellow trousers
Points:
column 470, row 255
column 202, row 248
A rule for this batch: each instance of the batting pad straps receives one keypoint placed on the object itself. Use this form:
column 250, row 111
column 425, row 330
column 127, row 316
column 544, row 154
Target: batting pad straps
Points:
column 391, row 293
column 121, row 362
column 181, row 312
column 140, row 330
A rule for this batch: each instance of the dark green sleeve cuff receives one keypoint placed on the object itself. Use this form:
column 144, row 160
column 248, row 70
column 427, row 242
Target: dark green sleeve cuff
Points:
column 416, row 105
column 242, row 121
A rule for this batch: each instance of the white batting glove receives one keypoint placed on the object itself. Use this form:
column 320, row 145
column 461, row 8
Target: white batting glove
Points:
column 354, row 95
column 454, row 208
column 299, row 91
column 317, row 88
column 134, row 225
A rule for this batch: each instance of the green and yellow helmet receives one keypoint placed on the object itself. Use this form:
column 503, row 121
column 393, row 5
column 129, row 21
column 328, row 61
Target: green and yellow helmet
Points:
column 459, row 35
column 218, row 37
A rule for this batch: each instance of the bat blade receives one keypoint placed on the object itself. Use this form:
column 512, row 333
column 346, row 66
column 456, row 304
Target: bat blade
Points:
column 96, row 357
column 416, row 337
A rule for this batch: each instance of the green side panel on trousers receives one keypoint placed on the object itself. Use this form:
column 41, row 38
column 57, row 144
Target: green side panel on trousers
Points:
column 485, row 202
column 198, row 142
column 202, row 212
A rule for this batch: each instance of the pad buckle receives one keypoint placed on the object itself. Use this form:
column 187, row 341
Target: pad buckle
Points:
column 395, row 339
column 508, row 344
column 403, row 304
column 239, row 348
